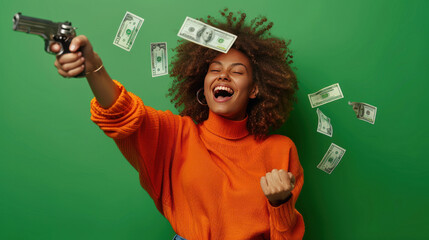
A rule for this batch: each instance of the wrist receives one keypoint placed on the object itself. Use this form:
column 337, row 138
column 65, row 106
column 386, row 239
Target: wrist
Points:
column 280, row 202
column 93, row 64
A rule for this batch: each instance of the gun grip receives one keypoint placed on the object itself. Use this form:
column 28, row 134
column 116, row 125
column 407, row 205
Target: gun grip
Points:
column 65, row 48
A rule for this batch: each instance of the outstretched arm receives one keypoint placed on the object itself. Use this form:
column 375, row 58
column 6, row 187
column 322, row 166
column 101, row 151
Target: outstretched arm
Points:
column 83, row 58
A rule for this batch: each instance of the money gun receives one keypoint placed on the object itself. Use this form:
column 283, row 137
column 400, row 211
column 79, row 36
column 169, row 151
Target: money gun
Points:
column 51, row 32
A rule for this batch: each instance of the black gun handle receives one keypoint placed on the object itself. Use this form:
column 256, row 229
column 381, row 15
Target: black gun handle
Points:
column 65, row 43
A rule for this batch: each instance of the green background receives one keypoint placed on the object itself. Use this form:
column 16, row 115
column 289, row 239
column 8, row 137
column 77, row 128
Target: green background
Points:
column 62, row 178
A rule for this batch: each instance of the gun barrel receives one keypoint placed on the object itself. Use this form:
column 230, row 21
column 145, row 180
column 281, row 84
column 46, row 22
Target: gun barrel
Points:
column 44, row 28
column 51, row 32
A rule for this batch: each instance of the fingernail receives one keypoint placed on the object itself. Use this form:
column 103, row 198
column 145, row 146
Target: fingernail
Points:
column 72, row 47
column 79, row 54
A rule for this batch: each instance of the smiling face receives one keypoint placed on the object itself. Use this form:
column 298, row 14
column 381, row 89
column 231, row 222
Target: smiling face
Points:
column 228, row 85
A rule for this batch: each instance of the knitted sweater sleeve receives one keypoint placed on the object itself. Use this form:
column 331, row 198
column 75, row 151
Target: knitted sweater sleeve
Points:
column 285, row 221
column 145, row 136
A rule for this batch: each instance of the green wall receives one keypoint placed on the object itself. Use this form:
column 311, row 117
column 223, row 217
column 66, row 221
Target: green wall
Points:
column 62, row 178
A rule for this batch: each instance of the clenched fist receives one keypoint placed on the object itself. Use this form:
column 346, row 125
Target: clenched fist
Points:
column 81, row 57
column 277, row 186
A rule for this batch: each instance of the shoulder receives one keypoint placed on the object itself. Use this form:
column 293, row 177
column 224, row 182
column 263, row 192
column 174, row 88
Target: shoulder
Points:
column 277, row 145
column 188, row 121
column 278, row 151
column 184, row 122
column 278, row 140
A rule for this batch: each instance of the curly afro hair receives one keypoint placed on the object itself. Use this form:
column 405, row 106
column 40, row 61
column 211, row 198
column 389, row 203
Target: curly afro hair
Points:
column 270, row 58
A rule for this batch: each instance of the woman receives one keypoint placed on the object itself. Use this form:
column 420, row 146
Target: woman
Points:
column 213, row 171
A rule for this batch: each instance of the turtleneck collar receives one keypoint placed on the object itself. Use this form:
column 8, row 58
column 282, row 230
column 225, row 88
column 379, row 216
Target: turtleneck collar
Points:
column 226, row 128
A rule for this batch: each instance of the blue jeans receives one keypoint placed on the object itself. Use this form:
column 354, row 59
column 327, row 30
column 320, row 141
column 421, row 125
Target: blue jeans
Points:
column 177, row 237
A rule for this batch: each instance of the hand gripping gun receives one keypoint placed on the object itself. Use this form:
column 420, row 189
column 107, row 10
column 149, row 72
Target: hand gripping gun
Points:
column 51, row 32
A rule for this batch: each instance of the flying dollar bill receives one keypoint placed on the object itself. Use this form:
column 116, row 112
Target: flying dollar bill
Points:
column 159, row 59
column 331, row 159
column 325, row 95
column 324, row 125
column 127, row 31
column 206, row 35
column 364, row 111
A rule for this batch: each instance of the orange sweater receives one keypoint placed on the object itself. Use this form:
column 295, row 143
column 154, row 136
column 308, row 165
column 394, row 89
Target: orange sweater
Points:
column 205, row 178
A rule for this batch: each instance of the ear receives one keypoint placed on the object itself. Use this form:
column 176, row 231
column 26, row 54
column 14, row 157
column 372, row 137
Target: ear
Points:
column 254, row 92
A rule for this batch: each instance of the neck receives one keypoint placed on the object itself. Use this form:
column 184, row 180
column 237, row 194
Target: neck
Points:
column 225, row 127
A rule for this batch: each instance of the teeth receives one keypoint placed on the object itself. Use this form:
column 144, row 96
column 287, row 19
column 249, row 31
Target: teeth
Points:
column 224, row 88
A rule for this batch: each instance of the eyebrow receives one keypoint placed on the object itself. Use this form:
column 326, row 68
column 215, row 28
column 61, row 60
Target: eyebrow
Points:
column 234, row 64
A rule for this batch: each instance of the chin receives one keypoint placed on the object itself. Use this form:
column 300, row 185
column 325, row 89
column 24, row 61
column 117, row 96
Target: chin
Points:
column 221, row 110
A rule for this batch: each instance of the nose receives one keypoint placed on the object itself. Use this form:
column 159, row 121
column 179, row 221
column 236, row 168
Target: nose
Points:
column 223, row 75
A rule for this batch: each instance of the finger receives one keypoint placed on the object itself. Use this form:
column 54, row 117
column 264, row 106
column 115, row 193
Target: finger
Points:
column 55, row 47
column 57, row 64
column 292, row 180
column 72, row 65
column 264, row 185
column 291, row 177
column 285, row 184
column 276, row 176
column 284, row 177
column 63, row 73
column 75, row 71
column 69, row 57
column 269, row 178
column 273, row 184
column 78, row 42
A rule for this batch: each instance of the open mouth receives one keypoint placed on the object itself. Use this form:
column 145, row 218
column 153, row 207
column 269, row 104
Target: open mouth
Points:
column 222, row 93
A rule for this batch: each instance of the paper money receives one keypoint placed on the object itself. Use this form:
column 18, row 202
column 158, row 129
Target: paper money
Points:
column 325, row 95
column 332, row 158
column 364, row 111
column 127, row 31
column 206, row 35
column 324, row 125
column 159, row 59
